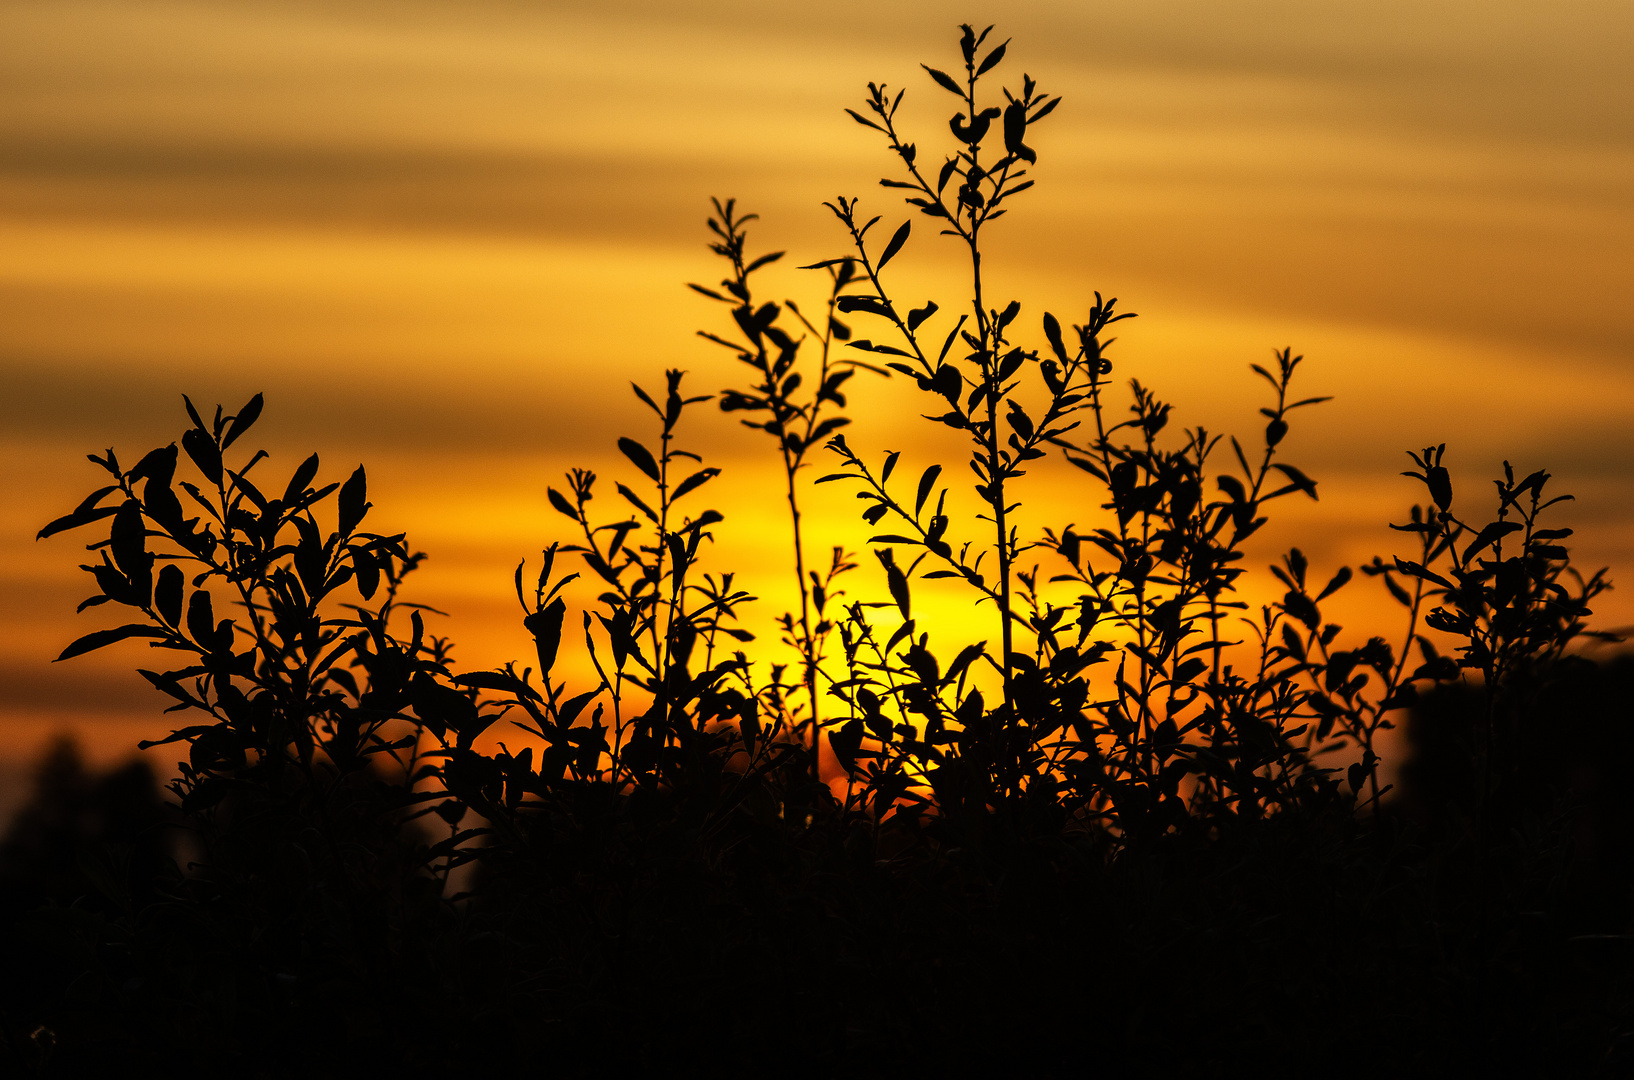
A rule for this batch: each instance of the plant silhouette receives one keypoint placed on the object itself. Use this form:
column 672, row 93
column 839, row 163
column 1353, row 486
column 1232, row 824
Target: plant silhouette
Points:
column 1108, row 830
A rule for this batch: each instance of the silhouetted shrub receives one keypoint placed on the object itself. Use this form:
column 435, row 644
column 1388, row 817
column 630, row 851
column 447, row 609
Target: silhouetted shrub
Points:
column 1108, row 835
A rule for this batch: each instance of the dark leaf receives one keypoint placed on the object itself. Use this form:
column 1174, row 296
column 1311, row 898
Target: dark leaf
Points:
column 1015, row 133
column 204, row 452
column 1298, row 479
column 559, row 501
column 167, row 594
column 352, row 501
column 298, row 483
column 1490, row 535
column 1338, row 582
column 1440, row 485
column 944, row 80
column 635, row 500
column 129, row 541
column 863, row 120
column 926, row 482
column 546, row 627
column 241, row 423
column 894, row 245
column 1415, row 570
column 97, row 640
column 84, row 514
column 201, row 620
column 695, row 481
column 992, row 59
column 640, row 456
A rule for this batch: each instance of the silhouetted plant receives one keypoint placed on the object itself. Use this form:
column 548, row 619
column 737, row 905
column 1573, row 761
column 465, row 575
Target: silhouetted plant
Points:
column 797, row 422
column 1115, row 795
column 318, row 728
column 1176, row 733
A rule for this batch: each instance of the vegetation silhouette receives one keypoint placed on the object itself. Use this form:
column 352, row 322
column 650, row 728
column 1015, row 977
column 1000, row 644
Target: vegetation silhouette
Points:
column 1105, row 837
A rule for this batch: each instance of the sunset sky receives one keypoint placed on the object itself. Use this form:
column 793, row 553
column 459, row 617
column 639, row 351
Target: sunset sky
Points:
column 442, row 238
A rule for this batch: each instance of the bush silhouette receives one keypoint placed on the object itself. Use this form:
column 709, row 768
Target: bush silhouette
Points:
column 1106, row 833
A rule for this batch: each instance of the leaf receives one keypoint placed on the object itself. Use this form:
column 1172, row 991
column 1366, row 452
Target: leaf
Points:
column 193, row 413
column 1339, row 581
column 640, row 456
column 873, row 305
column 559, row 501
column 204, row 452
column 496, row 680
column 695, row 481
column 241, row 423
column 1019, row 420
column 992, row 59
column 1489, row 535
column 944, row 80
column 1052, row 330
column 1291, row 642
column 201, row 620
column 897, row 581
column 894, row 245
column 926, row 482
column 863, row 120
column 129, row 541
column 546, row 627
column 1440, row 486
column 1396, row 591
column 1415, row 570
column 635, row 500
column 352, row 501
column 367, row 571
column 83, row 514
column 919, row 315
column 157, row 464
column 1089, row 467
column 573, row 706
column 1298, row 479
column 303, row 476
column 167, row 594
column 94, row 641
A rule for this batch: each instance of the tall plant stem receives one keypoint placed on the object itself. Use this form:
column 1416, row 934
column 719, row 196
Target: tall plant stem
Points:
column 807, row 645
column 989, row 333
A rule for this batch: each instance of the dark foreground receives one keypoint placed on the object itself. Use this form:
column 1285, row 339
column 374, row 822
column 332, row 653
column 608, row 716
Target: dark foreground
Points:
column 642, row 936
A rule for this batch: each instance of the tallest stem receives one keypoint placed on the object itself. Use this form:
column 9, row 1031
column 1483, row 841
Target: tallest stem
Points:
column 989, row 332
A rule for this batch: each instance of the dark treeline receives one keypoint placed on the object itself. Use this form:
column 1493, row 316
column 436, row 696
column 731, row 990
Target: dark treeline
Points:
column 1139, row 828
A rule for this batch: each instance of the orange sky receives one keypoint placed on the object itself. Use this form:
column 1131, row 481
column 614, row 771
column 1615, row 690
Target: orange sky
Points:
column 442, row 238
